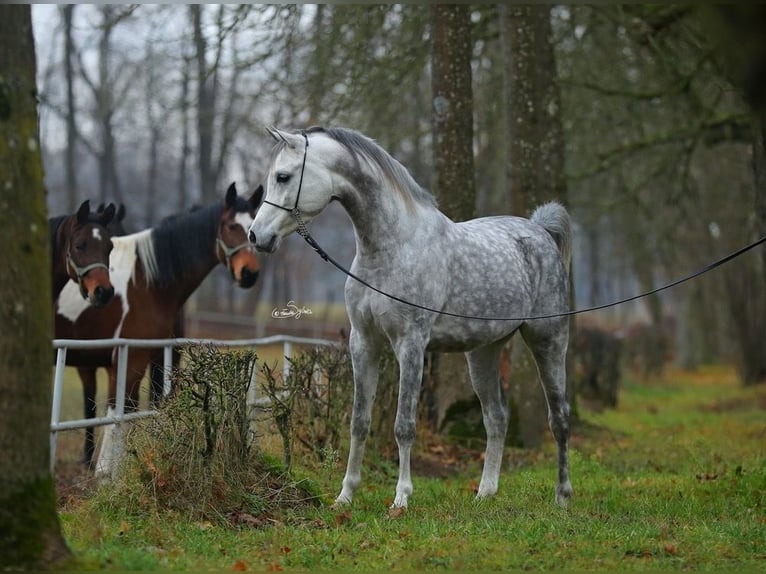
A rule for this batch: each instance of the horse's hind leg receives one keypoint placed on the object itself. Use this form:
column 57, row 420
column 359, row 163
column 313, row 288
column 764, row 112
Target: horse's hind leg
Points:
column 364, row 358
column 548, row 343
column 483, row 366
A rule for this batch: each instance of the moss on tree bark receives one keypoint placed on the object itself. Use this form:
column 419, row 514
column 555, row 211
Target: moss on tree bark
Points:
column 30, row 535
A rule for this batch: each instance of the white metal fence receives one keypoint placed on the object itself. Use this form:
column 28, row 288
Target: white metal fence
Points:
column 123, row 345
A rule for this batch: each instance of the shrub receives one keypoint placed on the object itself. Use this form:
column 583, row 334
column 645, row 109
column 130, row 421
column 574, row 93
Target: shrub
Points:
column 197, row 455
column 311, row 407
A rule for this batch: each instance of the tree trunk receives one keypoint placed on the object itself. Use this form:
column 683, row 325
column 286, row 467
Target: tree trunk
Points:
column 205, row 109
column 155, row 130
column 453, row 111
column 183, row 189
column 759, row 171
column 71, row 123
column 536, row 169
column 30, row 535
column 446, row 376
column 108, row 169
column 534, row 118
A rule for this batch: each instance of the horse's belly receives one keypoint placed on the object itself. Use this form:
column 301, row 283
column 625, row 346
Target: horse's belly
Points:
column 450, row 336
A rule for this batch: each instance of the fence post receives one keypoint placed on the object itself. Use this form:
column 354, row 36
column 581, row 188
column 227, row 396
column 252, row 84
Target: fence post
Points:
column 58, row 388
column 167, row 365
column 115, row 449
column 288, row 354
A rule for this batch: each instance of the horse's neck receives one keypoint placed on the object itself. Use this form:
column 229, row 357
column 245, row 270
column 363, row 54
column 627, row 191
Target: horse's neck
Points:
column 59, row 275
column 188, row 271
column 384, row 222
column 175, row 293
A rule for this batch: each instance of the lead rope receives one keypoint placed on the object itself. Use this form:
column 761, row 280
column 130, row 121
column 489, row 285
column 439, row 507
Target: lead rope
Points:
column 323, row 254
column 304, row 232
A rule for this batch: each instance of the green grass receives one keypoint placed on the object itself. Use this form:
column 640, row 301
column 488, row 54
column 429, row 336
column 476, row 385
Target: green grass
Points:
column 675, row 478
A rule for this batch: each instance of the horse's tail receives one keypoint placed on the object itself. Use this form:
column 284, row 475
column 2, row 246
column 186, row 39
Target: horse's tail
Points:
column 555, row 220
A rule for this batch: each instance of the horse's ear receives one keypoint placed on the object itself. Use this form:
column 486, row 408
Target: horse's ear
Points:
column 105, row 217
column 120, row 214
column 293, row 141
column 84, row 212
column 231, row 195
column 257, row 197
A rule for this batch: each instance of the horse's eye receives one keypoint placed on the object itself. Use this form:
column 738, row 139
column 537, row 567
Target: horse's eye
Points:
column 233, row 226
column 283, row 177
column 79, row 246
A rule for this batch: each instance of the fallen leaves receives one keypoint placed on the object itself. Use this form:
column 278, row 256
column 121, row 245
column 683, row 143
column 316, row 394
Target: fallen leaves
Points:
column 342, row 517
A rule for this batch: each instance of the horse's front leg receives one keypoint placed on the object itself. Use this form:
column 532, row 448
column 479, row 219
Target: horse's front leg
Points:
column 88, row 378
column 365, row 356
column 410, row 355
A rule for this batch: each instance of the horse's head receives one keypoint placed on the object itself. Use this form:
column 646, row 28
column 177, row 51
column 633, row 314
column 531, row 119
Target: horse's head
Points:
column 232, row 247
column 297, row 182
column 87, row 245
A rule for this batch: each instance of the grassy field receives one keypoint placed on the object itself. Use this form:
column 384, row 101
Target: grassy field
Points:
column 675, row 478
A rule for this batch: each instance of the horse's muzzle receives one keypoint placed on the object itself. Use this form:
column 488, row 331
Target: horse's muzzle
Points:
column 102, row 295
column 269, row 247
column 248, row 278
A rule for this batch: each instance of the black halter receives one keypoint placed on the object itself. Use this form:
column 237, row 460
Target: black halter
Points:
column 295, row 211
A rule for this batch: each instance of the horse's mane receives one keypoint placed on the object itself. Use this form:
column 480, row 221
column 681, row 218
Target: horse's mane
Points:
column 393, row 172
column 53, row 227
column 167, row 249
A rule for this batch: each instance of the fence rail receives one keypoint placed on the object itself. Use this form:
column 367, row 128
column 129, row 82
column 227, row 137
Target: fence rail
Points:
column 123, row 345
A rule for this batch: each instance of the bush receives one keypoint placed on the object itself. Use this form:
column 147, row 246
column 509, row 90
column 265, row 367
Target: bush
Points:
column 311, row 407
column 197, row 456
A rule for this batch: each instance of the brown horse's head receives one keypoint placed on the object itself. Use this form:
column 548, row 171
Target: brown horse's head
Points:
column 87, row 247
column 232, row 247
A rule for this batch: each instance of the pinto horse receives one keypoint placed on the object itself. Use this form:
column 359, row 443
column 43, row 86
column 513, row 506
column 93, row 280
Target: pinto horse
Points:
column 423, row 282
column 154, row 272
column 80, row 248
column 117, row 228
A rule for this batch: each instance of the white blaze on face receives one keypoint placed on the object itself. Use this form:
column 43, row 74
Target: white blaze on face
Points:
column 97, row 234
column 122, row 260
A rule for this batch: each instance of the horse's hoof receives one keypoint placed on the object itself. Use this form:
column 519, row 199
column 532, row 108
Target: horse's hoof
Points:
column 563, row 494
column 340, row 504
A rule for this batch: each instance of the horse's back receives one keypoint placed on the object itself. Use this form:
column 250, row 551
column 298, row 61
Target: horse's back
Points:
column 499, row 245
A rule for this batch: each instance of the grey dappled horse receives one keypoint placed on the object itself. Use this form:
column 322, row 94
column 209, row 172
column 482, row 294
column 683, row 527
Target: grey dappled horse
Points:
column 497, row 267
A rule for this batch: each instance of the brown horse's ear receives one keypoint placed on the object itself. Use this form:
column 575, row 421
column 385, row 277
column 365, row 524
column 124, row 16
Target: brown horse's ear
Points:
column 120, row 214
column 231, row 195
column 257, row 197
column 105, row 217
column 83, row 214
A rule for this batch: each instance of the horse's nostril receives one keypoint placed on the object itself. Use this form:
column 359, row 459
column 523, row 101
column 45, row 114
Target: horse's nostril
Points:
column 251, row 237
column 103, row 294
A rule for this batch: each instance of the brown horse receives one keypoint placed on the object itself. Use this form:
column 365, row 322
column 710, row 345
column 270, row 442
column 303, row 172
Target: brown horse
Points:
column 154, row 272
column 80, row 248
